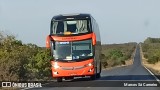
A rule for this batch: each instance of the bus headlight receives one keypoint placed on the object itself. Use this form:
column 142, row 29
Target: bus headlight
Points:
column 56, row 66
column 90, row 64
column 55, row 73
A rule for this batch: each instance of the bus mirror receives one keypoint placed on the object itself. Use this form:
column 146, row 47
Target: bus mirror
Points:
column 48, row 42
column 93, row 39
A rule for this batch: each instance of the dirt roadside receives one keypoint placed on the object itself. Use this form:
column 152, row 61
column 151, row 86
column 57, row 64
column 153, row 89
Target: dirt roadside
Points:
column 155, row 68
column 127, row 62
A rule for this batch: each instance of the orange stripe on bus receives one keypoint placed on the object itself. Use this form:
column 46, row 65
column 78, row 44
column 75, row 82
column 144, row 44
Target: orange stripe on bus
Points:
column 72, row 38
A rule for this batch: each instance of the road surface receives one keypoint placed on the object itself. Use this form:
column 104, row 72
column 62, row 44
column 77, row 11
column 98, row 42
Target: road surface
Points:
column 111, row 79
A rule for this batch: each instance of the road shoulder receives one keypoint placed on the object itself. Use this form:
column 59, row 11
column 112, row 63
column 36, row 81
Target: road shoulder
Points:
column 151, row 68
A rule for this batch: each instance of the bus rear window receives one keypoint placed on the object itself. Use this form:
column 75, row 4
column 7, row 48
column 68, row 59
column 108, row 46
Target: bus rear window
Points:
column 71, row 27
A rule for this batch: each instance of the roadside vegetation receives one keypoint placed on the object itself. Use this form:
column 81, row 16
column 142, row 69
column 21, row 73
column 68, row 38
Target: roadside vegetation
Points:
column 151, row 54
column 28, row 62
column 117, row 54
column 151, row 50
column 19, row 62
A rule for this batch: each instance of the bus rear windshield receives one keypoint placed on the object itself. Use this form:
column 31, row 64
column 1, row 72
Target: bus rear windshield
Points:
column 71, row 27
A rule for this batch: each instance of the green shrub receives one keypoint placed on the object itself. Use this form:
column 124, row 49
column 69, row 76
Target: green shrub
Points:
column 153, row 59
column 116, row 54
column 19, row 62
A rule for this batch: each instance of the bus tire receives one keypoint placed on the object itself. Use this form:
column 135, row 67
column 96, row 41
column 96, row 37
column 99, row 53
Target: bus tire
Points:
column 98, row 75
column 59, row 79
column 93, row 77
column 100, row 67
column 69, row 78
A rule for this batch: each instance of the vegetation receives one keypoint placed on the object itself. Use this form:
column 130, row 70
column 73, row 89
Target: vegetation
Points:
column 117, row 54
column 20, row 61
column 151, row 50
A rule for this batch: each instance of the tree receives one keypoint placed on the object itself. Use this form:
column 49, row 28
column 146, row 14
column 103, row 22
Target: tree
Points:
column 19, row 62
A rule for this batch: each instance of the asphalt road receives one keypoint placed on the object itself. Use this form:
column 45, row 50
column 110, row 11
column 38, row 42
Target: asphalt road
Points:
column 111, row 79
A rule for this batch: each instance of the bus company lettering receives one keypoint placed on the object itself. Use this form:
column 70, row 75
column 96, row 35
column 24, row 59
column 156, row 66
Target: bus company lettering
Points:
column 69, row 38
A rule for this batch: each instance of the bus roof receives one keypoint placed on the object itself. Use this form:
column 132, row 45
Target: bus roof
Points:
column 71, row 16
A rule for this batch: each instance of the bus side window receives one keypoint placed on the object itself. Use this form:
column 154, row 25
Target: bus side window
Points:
column 81, row 26
column 60, row 27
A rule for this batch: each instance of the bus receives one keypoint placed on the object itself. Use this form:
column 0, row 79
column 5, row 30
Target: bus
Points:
column 75, row 45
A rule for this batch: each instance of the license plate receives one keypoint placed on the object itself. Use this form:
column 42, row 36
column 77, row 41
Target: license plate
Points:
column 72, row 74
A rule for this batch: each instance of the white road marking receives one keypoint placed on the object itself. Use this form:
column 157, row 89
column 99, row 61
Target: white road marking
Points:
column 147, row 68
column 152, row 74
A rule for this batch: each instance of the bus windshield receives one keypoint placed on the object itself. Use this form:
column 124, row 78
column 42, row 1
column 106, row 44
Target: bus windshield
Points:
column 72, row 51
column 72, row 27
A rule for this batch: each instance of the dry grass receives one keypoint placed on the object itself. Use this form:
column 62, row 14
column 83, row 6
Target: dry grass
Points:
column 127, row 62
column 155, row 68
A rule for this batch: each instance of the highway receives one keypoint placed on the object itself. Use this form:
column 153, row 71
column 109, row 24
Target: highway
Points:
column 112, row 79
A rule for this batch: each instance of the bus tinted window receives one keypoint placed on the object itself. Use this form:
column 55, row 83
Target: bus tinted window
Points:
column 76, row 50
column 72, row 27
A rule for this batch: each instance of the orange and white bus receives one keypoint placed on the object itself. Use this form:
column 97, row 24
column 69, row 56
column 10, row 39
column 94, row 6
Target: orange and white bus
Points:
column 75, row 45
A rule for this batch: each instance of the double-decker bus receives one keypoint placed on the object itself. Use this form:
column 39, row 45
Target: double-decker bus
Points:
column 75, row 46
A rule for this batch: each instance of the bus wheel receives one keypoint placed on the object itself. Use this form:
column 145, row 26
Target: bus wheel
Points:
column 100, row 68
column 93, row 77
column 59, row 79
column 98, row 75
column 69, row 78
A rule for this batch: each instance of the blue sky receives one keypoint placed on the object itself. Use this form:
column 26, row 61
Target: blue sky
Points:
column 120, row 21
